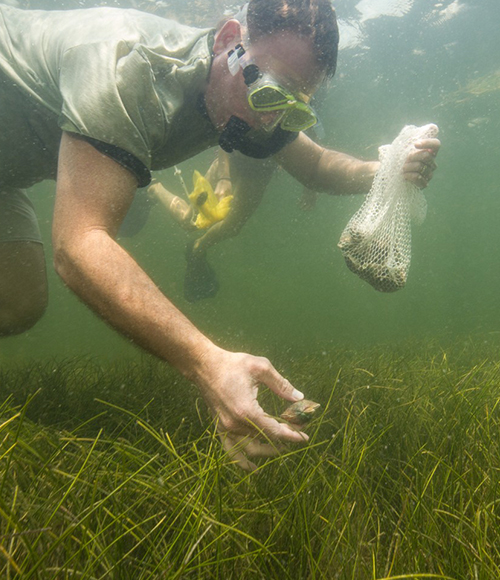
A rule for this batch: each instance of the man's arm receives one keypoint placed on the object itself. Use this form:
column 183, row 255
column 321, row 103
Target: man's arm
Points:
column 322, row 169
column 93, row 195
column 249, row 179
column 219, row 174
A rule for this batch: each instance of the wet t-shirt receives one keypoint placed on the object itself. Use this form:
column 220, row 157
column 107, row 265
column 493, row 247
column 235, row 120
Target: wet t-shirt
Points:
column 123, row 78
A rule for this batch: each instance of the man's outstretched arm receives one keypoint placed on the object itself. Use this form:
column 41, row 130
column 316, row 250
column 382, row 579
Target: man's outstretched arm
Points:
column 322, row 169
column 93, row 195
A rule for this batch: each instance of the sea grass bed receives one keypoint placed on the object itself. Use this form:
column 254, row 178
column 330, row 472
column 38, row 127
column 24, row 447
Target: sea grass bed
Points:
column 116, row 473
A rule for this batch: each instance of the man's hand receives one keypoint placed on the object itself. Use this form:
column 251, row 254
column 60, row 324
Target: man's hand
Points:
column 223, row 187
column 420, row 165
column 230, row 390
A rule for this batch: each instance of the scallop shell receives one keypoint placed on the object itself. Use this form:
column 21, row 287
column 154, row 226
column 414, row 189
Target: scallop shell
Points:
column 300, row 412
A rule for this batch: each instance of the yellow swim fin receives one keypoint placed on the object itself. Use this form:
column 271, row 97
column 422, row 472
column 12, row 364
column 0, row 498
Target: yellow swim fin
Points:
column 210, row 209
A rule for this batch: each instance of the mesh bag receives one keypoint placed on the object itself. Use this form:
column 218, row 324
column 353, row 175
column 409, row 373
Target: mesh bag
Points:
column 376, row 242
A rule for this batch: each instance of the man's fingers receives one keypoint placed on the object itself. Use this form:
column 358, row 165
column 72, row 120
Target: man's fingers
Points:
column 420, row 164
column 276, row 431
column 256, row 448
column 262, row 426
column 233, row 449
column 421, row 168
column 432, row 145
column 269, row 376
column 418, row 179
column 258, row 424
column 422, row 157
column 240, row 448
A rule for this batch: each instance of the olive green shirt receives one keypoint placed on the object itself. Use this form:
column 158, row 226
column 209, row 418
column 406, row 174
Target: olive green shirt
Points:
column 122, row 77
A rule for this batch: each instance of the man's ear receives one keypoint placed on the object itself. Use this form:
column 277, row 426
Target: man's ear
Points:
column 227, row 37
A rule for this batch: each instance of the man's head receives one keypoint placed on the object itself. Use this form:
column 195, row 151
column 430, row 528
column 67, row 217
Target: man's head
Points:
column 291, row 42
column 309, row 19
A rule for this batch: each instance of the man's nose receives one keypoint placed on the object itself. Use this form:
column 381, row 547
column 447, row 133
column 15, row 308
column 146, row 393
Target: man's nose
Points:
column 270, row 118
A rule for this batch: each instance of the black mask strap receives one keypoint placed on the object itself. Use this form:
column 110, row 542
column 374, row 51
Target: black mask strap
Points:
column 233, row 134
column 234, row 138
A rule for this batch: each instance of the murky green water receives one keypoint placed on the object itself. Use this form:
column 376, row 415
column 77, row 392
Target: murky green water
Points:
column 284, row 284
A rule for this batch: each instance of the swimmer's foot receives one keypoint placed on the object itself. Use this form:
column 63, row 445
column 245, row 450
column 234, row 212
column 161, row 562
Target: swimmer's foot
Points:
column 200, row 280
column 308, row 199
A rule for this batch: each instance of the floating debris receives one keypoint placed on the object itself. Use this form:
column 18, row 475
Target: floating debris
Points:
column 439, row 15
column 483, row 85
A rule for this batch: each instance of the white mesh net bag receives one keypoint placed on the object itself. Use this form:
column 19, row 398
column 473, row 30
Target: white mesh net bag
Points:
column 376, row 242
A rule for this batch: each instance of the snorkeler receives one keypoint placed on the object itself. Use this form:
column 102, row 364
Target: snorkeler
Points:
column 99, row 105
column 209, row 203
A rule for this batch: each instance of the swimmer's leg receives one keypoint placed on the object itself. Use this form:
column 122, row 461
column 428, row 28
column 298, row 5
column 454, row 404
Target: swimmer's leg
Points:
column 178, row 208
column 23, row 286
column 23, row 279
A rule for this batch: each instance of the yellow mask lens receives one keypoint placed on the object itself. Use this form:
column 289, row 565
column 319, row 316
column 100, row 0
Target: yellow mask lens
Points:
column 269, row 98
column 299, row 118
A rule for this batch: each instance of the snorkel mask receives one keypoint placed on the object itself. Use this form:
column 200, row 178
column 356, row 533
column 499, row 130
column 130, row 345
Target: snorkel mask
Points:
column 264, row 94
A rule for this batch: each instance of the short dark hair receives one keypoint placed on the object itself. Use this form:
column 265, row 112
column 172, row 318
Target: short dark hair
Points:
column 314, row 19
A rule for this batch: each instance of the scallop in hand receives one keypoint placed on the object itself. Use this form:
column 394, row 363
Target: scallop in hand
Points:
column 300, row 412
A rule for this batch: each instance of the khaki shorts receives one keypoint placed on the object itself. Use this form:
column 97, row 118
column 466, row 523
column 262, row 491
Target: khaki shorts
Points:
column 18, row 221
